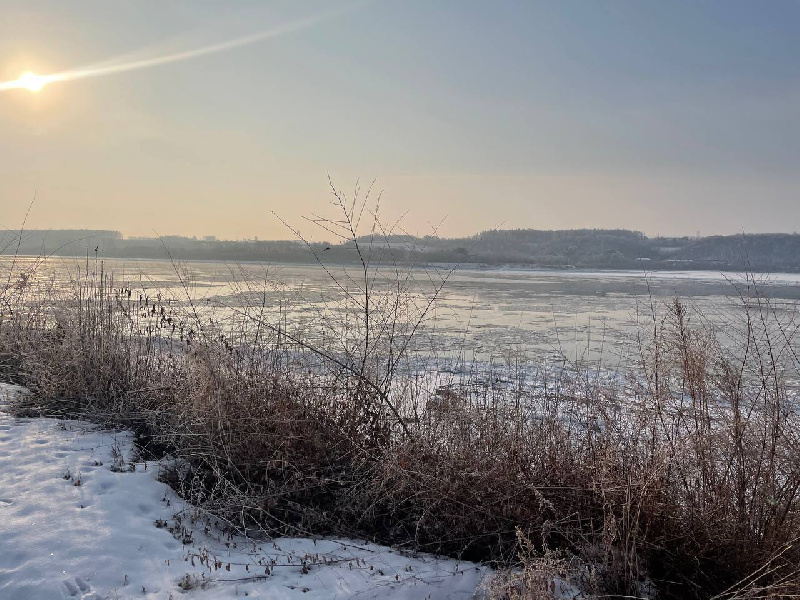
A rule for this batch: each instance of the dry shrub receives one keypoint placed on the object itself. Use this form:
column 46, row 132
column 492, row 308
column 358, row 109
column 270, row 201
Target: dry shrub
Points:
column 538, row 576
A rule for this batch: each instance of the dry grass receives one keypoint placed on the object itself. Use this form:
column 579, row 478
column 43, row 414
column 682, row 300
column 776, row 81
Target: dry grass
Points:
column 682, row 478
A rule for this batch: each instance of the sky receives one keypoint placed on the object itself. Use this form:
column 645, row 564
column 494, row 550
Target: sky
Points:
column 672, row 118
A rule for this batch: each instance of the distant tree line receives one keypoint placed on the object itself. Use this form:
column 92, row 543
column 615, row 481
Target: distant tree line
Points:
column 575, row 248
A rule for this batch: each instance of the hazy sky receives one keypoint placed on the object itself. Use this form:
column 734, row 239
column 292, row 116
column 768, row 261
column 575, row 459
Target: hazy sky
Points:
column 669, row 117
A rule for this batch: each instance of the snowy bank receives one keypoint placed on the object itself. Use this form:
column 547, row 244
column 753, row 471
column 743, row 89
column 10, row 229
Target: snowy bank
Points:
column 81, row 518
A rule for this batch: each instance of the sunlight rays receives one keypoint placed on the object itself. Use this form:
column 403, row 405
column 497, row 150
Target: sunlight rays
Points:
column 34, row 83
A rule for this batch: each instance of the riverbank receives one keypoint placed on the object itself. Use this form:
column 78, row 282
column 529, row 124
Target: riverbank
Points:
column 82, row 516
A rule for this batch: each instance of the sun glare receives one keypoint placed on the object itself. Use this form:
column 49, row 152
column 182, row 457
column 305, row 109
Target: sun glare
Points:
column 32, row 81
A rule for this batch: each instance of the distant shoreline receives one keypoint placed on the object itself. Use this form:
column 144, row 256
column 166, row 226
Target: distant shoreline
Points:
column 470, row 266
column 586, row 249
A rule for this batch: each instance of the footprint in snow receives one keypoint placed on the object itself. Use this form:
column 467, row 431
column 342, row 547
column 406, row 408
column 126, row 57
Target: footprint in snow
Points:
column 78, row 588
column 72, row 589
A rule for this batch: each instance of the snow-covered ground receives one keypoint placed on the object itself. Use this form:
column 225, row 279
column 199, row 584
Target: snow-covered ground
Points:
column 79, row 519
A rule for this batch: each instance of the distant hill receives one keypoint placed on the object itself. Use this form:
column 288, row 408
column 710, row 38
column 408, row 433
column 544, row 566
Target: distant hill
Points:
column 573, row 248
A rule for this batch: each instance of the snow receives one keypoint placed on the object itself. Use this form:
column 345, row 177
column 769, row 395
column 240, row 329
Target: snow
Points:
column 81, row 519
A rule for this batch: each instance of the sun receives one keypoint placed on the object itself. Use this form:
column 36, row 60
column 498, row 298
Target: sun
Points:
column 31, row 81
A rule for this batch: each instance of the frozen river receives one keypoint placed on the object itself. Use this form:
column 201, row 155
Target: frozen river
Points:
column 478, row 314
